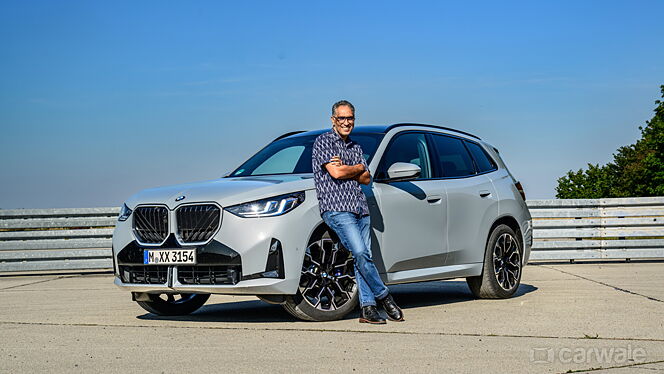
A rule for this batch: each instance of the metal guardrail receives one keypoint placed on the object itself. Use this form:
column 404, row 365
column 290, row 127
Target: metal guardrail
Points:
column 624, row 228
column 78, row 239
column 56, row 239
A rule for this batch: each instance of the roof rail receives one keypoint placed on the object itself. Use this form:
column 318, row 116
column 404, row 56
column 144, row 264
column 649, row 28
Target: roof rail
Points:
column 287, row 135
column 390, row 127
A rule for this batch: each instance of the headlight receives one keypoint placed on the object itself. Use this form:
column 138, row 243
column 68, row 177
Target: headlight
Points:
column 274, row 206
column 125, row 212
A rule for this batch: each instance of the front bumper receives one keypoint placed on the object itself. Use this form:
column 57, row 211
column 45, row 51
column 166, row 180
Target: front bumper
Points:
column 261, row 286
column 239, row 256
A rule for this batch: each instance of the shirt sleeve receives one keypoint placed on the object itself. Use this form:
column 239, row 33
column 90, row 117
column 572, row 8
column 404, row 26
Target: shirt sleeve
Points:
column 320, row 155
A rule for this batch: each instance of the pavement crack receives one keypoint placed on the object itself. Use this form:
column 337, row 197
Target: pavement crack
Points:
column 35, row 282
column 614, row 367
column 604, row 284
column 330, row 331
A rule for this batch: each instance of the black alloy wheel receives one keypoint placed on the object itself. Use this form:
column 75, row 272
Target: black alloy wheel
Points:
column 327, row 288
column 507, row 261
column 503, row 266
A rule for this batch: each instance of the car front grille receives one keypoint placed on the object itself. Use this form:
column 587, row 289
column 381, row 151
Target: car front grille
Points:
column 209, row 274
column 197, row 223
column 151, row 224
column 154, row 274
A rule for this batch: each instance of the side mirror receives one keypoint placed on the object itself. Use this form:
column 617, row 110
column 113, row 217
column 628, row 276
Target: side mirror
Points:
column 400, row 171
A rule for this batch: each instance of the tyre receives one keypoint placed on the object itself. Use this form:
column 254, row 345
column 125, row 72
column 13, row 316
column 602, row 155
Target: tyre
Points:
column 174, row 304
column 327, row 289
column 501, row 273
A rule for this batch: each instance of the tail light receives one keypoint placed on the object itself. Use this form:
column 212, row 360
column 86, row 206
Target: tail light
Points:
column 519, row 187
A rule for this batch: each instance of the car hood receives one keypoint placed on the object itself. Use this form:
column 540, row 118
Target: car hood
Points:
column 224, row 191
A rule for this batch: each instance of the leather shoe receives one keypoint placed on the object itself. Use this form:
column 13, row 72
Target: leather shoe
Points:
column 394, row 313
column 369, row 314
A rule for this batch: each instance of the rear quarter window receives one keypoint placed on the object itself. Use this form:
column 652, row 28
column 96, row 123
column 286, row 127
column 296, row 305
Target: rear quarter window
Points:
column 482, row 159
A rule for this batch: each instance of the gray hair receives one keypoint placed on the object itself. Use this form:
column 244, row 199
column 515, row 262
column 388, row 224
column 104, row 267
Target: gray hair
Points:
column 342, row 103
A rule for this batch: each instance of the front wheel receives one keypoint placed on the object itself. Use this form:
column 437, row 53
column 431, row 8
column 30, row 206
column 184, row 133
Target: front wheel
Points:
column 327, row 289
column 501, row 273
column 174, row 304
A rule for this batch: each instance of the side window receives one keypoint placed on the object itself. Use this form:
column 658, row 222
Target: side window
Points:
column 452, row 157
column 411, row 148
column 483, row 161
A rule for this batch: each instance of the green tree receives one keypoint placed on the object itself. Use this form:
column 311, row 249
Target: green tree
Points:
column 636, row 170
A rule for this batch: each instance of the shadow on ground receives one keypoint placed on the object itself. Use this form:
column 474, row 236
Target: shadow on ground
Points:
column 415, row 295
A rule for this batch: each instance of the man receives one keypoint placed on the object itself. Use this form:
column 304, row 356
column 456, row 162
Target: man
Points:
column 339, row 169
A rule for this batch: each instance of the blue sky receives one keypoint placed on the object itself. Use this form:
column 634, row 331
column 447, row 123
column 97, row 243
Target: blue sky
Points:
column 99, row 100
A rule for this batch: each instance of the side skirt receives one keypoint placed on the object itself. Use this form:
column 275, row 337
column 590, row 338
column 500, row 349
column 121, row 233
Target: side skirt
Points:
column 435, row 273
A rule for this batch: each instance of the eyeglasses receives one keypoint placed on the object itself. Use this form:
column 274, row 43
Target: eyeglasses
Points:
column 343, row 119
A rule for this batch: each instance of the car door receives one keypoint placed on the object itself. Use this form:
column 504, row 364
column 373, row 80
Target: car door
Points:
column 472, row 200
column 410, row 215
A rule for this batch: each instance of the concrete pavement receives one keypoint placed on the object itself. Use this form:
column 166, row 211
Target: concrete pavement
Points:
column 604, row 317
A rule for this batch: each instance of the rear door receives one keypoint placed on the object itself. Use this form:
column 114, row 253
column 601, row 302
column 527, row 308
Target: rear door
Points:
column 472, row 200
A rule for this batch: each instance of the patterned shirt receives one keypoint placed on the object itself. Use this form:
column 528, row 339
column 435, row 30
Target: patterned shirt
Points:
column 337, row 195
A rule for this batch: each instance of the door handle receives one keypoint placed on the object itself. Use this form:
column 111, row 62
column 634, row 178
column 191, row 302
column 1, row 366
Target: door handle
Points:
column 434, row 199
column 485, row 193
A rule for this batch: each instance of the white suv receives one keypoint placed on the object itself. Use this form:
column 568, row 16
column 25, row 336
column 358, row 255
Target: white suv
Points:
column 443, row 205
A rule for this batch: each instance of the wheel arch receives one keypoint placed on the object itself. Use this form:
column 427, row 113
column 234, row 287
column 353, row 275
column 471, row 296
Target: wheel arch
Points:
column 512, row 223
column 296, row 305
column 319, row 229
column 486, row 285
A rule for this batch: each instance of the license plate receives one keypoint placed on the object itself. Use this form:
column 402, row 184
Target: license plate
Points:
column 169, row 256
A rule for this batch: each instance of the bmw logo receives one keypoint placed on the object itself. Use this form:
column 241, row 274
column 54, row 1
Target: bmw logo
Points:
column 180, row 198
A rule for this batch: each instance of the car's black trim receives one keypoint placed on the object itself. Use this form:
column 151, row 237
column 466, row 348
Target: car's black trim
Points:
column 209, row 275
column 287, row 135
column 275, row 260
column 213, row 253
column 144, row 274
column 274, row 267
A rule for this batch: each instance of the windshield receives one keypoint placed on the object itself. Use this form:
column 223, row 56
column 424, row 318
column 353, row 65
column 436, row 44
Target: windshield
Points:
column 293, row 155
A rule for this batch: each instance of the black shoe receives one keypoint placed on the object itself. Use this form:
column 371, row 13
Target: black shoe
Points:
column 394, row 313
column 369, row 314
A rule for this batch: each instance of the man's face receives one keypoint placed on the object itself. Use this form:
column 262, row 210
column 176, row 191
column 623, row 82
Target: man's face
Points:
column 343, row 121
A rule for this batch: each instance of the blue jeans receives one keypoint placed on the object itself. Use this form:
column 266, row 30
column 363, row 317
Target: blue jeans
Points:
column 354, row 231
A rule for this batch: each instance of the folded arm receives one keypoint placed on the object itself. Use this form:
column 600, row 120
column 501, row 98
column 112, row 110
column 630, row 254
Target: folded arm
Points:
column 344, row 171
column 364, row 178
column 338, row 170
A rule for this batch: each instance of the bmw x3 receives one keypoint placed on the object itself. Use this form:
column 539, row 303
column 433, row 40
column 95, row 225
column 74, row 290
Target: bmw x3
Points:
column 443, row 205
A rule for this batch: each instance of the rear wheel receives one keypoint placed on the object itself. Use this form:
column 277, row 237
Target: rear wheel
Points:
column 174, row 304
column 327, row 289
column 501, row 273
